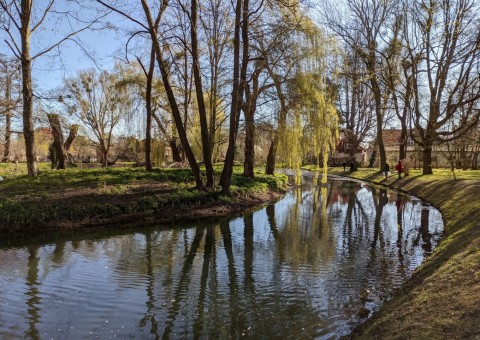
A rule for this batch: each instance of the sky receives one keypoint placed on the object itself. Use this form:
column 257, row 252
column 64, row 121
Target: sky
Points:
column 49, row 70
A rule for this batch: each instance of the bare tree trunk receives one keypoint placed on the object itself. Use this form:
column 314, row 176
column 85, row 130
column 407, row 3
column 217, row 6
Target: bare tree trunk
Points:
column 8, row 119
column 227, row 172
column 27, row 91
column 58, row 159
column 249, row 143
column 148, row 104
column 249, row 112
column 71, row 137
column 207, row 154
column 176, row 154
column 403, row 142
column 427, row 161
column 272, row 154
column 379, row 114
column 153, row 26
column 105, row 157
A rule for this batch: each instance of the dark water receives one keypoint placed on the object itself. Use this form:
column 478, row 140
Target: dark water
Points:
column 314, row 264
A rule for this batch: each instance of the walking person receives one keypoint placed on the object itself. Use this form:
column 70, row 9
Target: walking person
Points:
column 387, row 170
column 399, row 168
column 344, row 166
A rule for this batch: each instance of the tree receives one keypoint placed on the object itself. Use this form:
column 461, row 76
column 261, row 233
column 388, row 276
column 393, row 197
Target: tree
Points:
column 217, row 30
column 443, row 45
column 239, row 78
column 22, row 22
column 97, row 101
column 11, row 99
column 366, row 28
column 58, row 150
column 202, row 111
column 355, row 100
column 281, row 51
column 295, row 54
column 155, row 31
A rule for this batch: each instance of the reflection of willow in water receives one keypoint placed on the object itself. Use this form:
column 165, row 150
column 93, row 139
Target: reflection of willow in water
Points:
column 298, row 268
column 196, row 304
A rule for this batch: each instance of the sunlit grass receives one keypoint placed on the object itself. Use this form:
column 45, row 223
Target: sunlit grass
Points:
column 442, row 295
column 79, row 193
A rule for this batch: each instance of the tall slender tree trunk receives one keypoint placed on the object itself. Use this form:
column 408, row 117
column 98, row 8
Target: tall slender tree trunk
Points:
column 226, row 176
column 249, row 143
column 27, row 91
column 403, row 141
column 272, row 154
column 202, row 111
column 379, row 115
column 153, row 26
column 249, row 112
column 8, row 119
column 148, row 106
column 213, row 110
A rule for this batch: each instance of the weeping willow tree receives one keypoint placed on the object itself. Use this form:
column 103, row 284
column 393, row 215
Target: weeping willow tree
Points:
column 312, row 128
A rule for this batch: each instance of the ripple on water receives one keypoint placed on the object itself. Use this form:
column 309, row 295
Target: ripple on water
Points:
column 280, row 272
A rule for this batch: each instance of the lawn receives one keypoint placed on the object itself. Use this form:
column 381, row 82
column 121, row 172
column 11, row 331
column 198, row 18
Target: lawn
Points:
column 75, row 197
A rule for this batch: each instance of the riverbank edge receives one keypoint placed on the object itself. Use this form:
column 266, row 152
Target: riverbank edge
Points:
column 180, row 212
column 440, row 300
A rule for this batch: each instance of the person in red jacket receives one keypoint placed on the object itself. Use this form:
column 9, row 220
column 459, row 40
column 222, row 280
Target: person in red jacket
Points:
column 399, row 168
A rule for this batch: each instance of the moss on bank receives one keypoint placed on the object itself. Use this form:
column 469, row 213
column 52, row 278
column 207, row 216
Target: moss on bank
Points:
column 441, row 300
column 66, row 199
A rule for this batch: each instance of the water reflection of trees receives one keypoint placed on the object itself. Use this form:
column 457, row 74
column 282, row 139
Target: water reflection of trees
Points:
column 271, row 273
column 33, row 296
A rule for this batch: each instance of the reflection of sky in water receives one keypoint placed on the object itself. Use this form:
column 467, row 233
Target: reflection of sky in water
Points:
column 286, row 270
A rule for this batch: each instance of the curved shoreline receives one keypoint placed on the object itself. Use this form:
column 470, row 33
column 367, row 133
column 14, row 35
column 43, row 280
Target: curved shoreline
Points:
column 168, row 214
column 440, row 300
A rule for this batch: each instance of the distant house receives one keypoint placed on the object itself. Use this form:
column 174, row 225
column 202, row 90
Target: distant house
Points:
column 391, row 141
column 343, row 151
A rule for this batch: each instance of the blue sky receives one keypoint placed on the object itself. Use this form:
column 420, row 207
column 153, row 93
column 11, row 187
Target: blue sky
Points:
column 50, row 69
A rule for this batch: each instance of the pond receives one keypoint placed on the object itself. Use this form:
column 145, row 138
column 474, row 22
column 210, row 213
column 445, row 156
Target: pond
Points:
column 313, row 265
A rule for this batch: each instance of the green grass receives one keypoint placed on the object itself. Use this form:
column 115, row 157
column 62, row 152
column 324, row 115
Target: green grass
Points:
column 100, row 193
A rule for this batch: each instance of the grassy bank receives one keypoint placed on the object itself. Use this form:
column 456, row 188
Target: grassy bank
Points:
column 441, row 300
column 66, row 199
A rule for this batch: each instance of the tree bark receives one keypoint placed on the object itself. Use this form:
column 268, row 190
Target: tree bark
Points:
column 379, row 114
column 58, row 148
column 27, row 91
column 427, row 161
column 272, row 153
column 104, row 157
column 207, row 153
column 176, row 154
column 148, row 106
column 171, row 97
column 249, row 112
column 71, row 137
column 8, row 118
column 249, row 143
column 227, row 172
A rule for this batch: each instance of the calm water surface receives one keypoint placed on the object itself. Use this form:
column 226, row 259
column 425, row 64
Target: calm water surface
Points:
column 315, row 264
